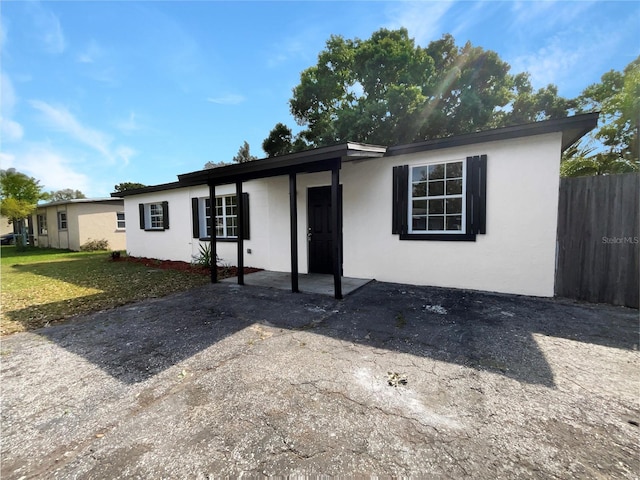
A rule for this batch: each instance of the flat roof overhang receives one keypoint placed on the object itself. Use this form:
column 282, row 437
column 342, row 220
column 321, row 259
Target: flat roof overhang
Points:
column 309, row 161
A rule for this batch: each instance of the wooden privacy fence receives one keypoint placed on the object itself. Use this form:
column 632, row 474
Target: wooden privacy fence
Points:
column 598, row 239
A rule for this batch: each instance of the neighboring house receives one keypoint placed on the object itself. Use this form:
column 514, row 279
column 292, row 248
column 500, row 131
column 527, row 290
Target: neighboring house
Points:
column 5, row 226
column 72, row 223
column 476, row 211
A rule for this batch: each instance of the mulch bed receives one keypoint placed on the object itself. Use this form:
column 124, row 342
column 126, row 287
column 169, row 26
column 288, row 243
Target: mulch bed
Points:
column 223, row 272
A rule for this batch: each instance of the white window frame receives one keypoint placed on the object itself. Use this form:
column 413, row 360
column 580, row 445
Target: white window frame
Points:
column 62, row 221
column 154, row 216
column 444, row 196
column 42, row 224
column 120, row 223
column 223, row 221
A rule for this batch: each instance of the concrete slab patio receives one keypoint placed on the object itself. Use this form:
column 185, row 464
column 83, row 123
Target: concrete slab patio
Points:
column 307, row 283
column 392, row 381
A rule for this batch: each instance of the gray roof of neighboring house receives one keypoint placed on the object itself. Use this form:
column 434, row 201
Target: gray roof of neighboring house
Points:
column 321, row 159
column 81, row 200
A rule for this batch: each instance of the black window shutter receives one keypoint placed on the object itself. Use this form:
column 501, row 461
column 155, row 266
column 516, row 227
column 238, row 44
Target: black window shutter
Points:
column 141, row 210
column 195, row 217
column 477, row 194
column 245, row 216
column 165, row 215
column 472, row 205
column 482, row 185
column 400, row 199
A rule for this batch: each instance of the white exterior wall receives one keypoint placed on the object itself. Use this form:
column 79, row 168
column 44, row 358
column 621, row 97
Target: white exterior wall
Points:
column 177, row 242
column 516, row 255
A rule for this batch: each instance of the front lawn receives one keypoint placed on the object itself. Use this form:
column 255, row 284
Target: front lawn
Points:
column 44, row 286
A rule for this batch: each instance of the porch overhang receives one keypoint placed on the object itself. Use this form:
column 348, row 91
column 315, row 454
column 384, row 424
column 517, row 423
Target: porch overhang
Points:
column 310, row 161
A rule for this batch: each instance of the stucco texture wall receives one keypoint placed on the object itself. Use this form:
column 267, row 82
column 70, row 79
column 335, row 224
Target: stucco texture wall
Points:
column 85, row 221
column 516, row 255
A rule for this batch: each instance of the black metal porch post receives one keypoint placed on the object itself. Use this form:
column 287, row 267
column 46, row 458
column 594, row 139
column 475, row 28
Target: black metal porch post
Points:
column 335, row 230
column 213, row 243
column 293, row 212
column 240, row 232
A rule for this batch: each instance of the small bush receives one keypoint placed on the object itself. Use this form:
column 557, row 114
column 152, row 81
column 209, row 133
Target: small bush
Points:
column 94, row 245
column 204, row 258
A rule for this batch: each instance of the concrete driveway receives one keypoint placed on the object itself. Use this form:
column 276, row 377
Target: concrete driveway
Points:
column 394, row 380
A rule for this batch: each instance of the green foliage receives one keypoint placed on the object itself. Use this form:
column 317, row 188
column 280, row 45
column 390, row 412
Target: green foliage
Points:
column 203, row 259
column 244, row 155
column 388, row 90
column 94, row 245
column 121, row 187
column 65, row 194
column 617, row 97
column 19, row 194
column 279, row 141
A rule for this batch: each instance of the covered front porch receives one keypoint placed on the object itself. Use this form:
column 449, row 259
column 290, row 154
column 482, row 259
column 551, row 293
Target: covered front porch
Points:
column 320, row 283
column 325, row 159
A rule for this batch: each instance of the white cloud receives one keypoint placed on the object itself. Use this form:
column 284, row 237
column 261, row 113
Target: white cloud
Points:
column 228, row 99
column 423, row 20
column 129, row 125
column 62, row 120
column 52, row 169
column 91, row 53
column 10, row 130
column 125, row 153
column 48, row 28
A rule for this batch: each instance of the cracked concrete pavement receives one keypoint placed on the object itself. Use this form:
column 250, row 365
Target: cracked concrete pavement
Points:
column 227, row 381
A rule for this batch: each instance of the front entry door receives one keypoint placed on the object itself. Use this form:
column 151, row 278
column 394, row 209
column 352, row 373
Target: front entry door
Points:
column 319, row 233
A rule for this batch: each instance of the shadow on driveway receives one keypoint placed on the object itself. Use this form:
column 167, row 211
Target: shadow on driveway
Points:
column 479, row 330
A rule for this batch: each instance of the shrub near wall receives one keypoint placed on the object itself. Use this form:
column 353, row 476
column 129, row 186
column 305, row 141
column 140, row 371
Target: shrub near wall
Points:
column 94, row 245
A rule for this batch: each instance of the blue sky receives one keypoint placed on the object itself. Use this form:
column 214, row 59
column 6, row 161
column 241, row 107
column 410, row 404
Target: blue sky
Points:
column 97, row 93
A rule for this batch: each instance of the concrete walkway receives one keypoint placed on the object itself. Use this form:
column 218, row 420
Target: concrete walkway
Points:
column 307, row 283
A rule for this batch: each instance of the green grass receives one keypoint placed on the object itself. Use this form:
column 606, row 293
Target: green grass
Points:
column 45, row 286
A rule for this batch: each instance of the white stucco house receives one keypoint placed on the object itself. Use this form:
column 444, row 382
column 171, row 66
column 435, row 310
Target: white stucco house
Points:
column 475, row 211
column 69, row 224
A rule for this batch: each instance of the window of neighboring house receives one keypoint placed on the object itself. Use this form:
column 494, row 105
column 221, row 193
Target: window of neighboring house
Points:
column 62, row 220
column 153, row 216
column 226, row 217
column 440, row 201
column 42, row 224
column 120, row 220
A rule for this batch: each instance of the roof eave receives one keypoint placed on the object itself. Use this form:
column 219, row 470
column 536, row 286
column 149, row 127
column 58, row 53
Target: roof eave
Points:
column 572, row 128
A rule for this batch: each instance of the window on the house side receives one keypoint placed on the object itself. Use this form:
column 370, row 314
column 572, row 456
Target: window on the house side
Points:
column 62, row 220
column 42, row 224
column 440, row 200
column 437, row 198
column 153, row 216
column 226, row 217
column 120, row 221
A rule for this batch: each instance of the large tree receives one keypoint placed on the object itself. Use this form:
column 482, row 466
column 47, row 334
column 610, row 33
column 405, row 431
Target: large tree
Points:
column 613, row 147
column 244, row 154
column 124, row 186
column 19, row 195
column 388, row 90
column 65, row 194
